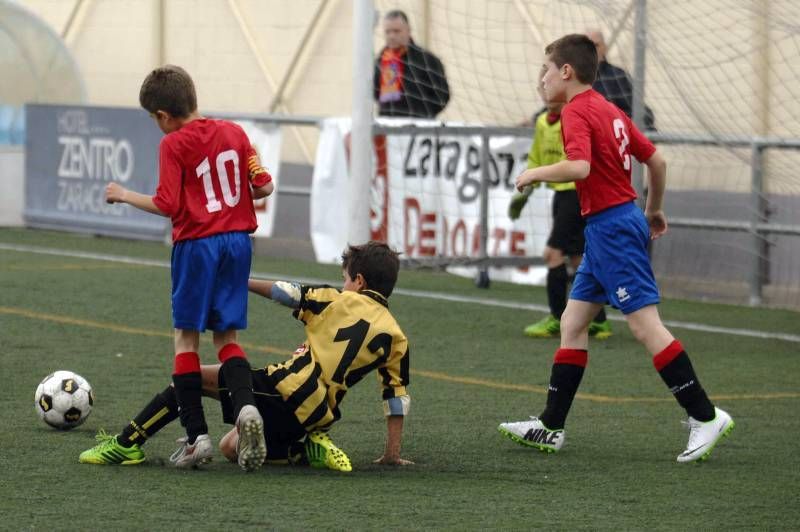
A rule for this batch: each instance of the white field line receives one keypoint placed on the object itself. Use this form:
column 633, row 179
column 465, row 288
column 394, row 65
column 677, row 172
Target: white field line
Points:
column 751, row 333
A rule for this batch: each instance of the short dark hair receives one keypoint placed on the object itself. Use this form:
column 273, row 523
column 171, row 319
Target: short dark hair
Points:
column 579, row 52
column 169, row 88
column 397, row 13
column 376, row 262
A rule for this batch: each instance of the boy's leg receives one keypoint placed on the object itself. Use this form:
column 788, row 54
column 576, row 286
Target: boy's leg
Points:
column 707, row 423
column 157, row 414
column 194, row 270
column 569, row 362
column 228, row 444
column 546, row 432
column 251, row 448
column 599, row 328
column 236, row 369
column 671, row 362
column 188, row 383
column 229, row 314
column 125, row 448
column 196, row 447
column 557, row 280
column 556, row 284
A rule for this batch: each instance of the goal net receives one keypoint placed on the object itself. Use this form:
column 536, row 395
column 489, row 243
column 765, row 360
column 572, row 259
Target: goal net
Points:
column 717, row 74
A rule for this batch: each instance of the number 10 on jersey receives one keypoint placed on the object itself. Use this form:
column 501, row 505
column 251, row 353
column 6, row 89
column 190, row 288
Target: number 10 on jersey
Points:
column 203, row 171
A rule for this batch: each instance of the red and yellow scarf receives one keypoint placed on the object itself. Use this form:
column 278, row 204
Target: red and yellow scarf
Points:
column 391, row 87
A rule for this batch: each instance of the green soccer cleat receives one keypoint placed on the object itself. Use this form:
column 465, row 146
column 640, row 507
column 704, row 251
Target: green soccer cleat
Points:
column 108, row 451
column 322, row 453
column 600, row 330
column 547, row 327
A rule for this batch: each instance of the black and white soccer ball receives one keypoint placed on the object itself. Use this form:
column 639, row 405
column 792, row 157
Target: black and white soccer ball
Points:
column 64, row 400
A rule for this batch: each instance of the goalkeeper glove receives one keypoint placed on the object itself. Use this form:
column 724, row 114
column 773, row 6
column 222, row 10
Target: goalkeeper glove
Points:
column 518, row 202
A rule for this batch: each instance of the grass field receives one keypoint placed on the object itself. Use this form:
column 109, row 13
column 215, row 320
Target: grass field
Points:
column 471, row 369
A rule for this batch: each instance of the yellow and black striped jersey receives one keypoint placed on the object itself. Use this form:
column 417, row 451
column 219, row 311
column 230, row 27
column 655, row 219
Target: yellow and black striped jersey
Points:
column 349, row 334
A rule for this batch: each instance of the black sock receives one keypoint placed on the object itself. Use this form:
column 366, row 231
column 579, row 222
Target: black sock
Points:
column 568, row 368
column 557, row 290
column 676, row 371
column 239, row 381
column 188, row 393
column 601, row 316
column 159, row 412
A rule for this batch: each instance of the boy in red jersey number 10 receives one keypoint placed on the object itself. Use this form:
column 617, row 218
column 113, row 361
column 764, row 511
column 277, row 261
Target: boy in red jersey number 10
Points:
column 599, row 140
column 208, row 177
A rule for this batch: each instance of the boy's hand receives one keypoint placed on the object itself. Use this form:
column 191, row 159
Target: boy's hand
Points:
column 257, row 175
column 658, row 223
column 392, row 460
column 115, row 193
column 528, row 177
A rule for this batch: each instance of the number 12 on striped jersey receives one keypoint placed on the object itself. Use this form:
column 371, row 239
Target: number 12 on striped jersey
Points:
column 355, row 336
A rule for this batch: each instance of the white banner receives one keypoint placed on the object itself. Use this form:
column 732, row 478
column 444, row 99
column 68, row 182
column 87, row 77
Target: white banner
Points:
column 328, row 205
column 426, row 198
column 267, row 139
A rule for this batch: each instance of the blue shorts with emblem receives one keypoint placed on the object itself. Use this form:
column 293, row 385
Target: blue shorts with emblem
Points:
column 616, row 268
column 209, row 282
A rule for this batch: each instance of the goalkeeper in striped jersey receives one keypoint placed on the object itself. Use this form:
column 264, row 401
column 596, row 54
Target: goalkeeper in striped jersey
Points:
column 350, row 332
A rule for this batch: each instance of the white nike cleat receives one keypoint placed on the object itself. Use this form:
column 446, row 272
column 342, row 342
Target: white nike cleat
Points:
column 192, row 455
column 703, row 436
column 533, row 433
column 252, row 448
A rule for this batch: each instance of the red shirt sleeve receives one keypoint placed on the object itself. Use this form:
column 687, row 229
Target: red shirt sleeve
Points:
column 641, row 147
column 577, row 135
column 257, row 174
column 169, row 180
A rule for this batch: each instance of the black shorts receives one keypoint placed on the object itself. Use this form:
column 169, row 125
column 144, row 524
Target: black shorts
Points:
column 281, row 427
column 568, row 224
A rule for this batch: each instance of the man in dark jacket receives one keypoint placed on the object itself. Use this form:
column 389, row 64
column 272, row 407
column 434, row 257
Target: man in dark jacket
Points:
column 408, row 80
column 614, row 83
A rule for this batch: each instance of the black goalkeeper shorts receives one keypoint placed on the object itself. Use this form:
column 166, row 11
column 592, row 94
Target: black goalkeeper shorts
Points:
column 568, row 224
column 281, row 427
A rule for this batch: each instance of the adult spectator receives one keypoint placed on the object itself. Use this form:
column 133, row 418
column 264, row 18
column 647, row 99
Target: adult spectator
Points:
column 408, row 80
column 614, row 83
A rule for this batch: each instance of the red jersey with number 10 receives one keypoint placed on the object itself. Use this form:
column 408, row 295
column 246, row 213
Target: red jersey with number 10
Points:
column 597, row 131
column 204, row 181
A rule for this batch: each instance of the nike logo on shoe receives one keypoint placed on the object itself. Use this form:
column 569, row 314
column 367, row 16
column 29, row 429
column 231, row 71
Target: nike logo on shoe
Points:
column 542, row 436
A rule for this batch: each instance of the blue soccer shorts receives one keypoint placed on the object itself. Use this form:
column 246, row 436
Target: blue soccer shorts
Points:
column 616, row 267
column 209, row 282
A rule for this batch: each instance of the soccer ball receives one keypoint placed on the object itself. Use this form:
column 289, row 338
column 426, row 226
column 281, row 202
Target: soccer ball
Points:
column 64, row 400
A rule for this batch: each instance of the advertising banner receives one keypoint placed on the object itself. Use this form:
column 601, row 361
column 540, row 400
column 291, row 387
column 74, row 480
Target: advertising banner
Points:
column 426, row 198
column 72, row 153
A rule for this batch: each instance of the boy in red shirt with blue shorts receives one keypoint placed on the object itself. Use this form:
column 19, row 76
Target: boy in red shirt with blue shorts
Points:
column 208, row 177
column 599, row 140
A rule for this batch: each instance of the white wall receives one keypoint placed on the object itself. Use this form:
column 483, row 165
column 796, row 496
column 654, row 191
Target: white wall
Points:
column 12, row 185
